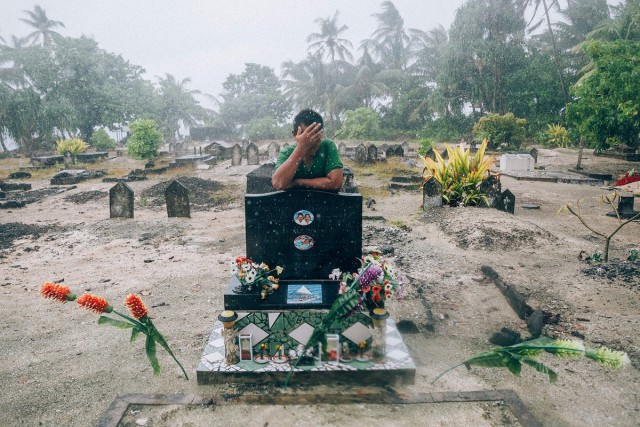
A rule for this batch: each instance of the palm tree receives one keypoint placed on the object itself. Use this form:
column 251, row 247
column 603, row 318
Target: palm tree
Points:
column 390, row 41
column 43, row 26
column 179, row 107
column 328, row 42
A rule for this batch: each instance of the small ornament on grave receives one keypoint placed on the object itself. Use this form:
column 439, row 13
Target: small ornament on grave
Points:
column 139, row 321
column 361, row 357
column 345, row 355
column 262, row 357
column 279, row 357
column 228, row 319
column 378, row 345
column 254, row 277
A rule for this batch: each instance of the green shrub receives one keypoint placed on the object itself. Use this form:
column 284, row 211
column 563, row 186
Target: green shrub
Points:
column 361, row 123
column 145, row 140
column 74, row 146
column 425, row 144
column 504, row 132
column 556, row 136
column 100, row 140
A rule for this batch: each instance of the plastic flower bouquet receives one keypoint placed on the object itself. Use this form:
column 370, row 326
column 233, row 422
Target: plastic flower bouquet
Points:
column 253, row 276
column 375, row 281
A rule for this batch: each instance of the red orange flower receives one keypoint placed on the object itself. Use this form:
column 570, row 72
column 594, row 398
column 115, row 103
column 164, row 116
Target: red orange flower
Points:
column 95, row 303
column 57, row 292
column 136, row 306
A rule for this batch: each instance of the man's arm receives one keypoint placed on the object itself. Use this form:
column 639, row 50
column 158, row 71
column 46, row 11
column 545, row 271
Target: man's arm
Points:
column 306, row 140
column 332, row 182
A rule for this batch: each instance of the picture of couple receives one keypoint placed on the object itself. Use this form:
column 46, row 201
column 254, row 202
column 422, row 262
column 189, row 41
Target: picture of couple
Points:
column 303, row 217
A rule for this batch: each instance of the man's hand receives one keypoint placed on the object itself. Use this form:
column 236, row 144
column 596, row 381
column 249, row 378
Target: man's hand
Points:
column 308, row 139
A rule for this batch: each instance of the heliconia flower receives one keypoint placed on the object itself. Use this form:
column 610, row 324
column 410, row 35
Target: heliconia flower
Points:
column 612, row 358
column 568, row 348
column 136, row 306
column 370, row 275
column 57, row 292
column 94, row 303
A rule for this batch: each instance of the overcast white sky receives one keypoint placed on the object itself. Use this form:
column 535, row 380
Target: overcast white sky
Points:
column 207, row 40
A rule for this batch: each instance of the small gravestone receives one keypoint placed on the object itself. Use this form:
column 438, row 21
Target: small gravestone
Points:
column 121, row 201
column 361, row 154
column 431, row 194
column 259, row 179
column 430, row 153
column 507, row 202
column 342, row 148
column 177, row 198
column 272, row 150
column 444, row 154
column 625, row 208
column 252, row 154
column 347, row 185
column 372, row 153
column 534, row 153
column 492, row 189
column 236, row 155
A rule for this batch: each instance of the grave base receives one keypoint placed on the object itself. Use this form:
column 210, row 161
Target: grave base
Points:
column 399, row 367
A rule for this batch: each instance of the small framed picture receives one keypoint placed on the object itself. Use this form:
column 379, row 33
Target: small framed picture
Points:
column 333, row 348
column 246, row 347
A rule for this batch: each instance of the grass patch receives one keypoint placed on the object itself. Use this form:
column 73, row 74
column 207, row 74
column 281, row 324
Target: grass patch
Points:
column 387, row 169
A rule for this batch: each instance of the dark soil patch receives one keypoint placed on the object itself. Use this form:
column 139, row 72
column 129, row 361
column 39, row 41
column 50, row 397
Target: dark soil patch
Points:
column 203, row 194
column 86, row 196
column 17, row 230
column 36, row 195
column 628, row 272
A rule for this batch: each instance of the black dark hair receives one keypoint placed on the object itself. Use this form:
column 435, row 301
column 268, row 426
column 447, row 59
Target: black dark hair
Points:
column 306, row 117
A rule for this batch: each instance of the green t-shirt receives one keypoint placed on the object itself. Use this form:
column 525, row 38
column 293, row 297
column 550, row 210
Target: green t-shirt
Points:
column 326, row 159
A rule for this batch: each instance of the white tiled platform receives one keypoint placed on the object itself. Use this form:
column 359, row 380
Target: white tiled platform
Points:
column 398, row 368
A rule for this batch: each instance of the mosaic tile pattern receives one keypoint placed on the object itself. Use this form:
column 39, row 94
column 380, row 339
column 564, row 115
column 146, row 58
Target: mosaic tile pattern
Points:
column 212, row 362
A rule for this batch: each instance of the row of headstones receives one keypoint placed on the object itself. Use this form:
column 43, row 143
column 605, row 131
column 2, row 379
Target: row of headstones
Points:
column 121, row 201
column 251, row 152
column 491, row 188
column 370, row 154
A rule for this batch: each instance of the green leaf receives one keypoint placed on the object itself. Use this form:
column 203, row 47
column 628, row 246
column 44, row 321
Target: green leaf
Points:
column 117, row 323
column 134, row 334
column 538, row 366
column 151, row 354
column 512, row 363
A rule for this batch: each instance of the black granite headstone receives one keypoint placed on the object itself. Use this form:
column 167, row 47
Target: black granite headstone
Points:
column 507, row 202
column 121, row 201
column 259, row 179
column 177, row 198
column 307, row 232
column 625, row 208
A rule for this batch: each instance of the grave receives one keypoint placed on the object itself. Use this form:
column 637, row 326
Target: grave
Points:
column 516, row 162
column 431, row 194
column 121, row 201
column 309, row 233
column 625, row 208
column 177, row 198
column 361, row 154
column 253, row 157
column 372, row 153
column 74, row 176
column 236, row 155
column 492, row 189
column 506, row 202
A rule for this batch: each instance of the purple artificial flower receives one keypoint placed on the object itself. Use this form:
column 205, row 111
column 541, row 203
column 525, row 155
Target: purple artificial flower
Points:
column 370, row 275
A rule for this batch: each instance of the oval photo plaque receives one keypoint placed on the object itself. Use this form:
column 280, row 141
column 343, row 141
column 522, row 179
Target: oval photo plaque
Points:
column 303, row 242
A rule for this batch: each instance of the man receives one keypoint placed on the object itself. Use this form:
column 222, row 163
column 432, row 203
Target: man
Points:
column 312, row 162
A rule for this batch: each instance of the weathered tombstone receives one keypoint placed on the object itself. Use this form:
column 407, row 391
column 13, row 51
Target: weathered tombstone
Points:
column 492, row 189
column 272, row 150
column 348, row 185
column 372, row 153
column 236, row 155
column 177, row 198
column 507, row 202
column 430, row 153
column 625, row 208
column 431, row 194
column 252, row 154
column 399, row 151
column 342, row 148
column 361, row 154
column 121, row 201
column 19, row 175
column 534, row 153
column 444, row 154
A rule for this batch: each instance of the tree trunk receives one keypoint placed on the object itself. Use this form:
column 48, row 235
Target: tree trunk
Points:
column 565, row 93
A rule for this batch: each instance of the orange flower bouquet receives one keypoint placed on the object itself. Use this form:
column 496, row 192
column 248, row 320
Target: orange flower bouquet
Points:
column 139, row 323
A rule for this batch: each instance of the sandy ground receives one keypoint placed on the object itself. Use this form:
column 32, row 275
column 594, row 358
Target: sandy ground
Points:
column 62, row 369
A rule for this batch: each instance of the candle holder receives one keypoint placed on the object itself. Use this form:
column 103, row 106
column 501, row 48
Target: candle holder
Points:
column 379, row 340
column 228, row 319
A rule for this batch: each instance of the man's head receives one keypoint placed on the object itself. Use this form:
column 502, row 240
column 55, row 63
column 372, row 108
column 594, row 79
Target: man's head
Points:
column 305, row 118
